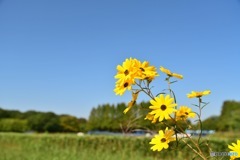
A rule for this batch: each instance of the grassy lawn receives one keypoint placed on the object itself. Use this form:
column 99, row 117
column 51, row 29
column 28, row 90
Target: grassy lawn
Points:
column 61, row 147
column 16, row 146
column 230, row 136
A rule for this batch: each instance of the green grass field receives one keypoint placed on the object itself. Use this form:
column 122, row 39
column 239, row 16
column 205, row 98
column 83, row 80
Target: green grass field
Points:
column 64, row 147
column 14, row 146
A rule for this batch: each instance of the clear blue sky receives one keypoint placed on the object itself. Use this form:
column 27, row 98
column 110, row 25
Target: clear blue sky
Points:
column 61, row 56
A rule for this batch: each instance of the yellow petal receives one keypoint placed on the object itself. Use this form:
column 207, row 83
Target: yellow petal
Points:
column 126, row 110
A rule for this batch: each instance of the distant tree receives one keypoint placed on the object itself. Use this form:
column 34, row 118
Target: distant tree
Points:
column 30, row 113
column 69, row 123
column 10, row 114
column 229, row 119
column 92, row 120
column 13, row 125
column 210, row 123
column 106, row 117
column 42, row 122
column 82, row 124
column 112, row 118
column 4, row 113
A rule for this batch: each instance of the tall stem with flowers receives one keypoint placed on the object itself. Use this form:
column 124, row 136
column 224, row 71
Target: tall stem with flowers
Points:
column 136, row 76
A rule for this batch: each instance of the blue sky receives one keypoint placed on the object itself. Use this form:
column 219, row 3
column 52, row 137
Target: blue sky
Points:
column 61, row 56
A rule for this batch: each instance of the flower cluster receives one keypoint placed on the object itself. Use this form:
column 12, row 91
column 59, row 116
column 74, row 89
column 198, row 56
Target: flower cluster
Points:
column 131, row 70
column 163, row 106
column 136, row 76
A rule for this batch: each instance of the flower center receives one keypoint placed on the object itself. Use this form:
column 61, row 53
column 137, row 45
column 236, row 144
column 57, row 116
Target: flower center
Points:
column 125, row 84
column 186, row 113
column 126, row 72
column 198, row 94
column 163, row 140
column 163, row 107
column 142, row 69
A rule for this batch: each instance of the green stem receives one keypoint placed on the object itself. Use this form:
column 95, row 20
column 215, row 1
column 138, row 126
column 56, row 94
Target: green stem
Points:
column 200, row 154
column 148, row 92
column 199, row 119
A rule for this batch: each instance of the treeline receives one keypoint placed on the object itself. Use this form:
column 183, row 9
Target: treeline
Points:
column 229, row 119
column 109, row 118
column 16, row 121
column 102, row 118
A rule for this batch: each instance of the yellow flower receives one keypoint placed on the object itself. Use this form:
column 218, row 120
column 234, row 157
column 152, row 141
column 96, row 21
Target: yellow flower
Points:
column 161, row 140
column 235, row 150
column 125, row 75
column 146, row 71
column 132, row 102
column 184, row 112
column 126, row 70
column 170, row 74
column 130, row 70
column 122, row 85
column 162, row 107
column 194, row 94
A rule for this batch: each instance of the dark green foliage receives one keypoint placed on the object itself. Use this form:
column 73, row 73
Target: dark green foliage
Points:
column 41, row 122
column 111, row 118
column 210, row 123
column 15, row 121
column 69, row 123
column 10, row 114
column 229, row 119
column 107, row 117
column 82, row 124
column 13, row 125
